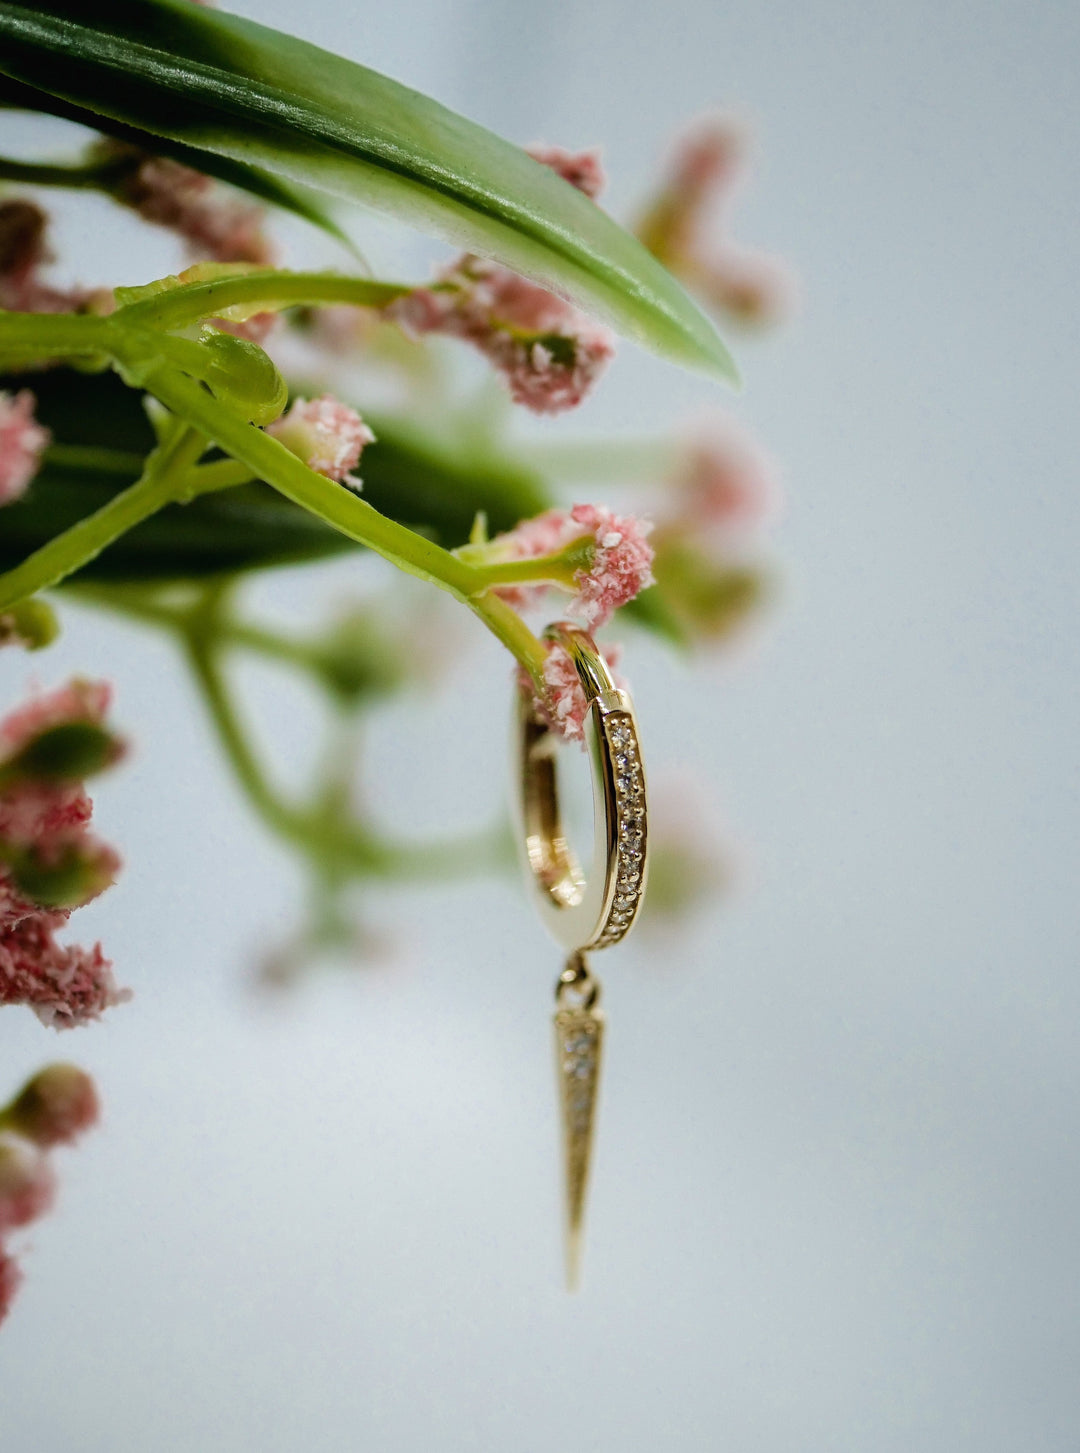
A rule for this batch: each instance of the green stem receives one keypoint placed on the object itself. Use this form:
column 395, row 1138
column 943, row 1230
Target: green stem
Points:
column 182, row 306
column 269, row 460
column 508, row 627
column 94, row 460
column 222, row 474
column 54, row 335
column 96, row 176
column 83, row 542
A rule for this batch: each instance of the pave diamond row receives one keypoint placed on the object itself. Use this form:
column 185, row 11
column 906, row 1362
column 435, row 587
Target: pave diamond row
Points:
column 631, row 826
column 579, row 1052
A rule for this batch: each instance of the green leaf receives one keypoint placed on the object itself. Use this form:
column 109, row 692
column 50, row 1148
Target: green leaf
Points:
column 275, row 191
column 227, row 86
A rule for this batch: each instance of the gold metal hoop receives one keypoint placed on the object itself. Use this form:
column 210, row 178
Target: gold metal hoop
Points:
column 597, row 908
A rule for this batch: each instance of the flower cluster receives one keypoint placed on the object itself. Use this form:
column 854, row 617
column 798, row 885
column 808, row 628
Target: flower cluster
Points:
column 677, row 227
column 564, row 705
column 548, row 353
column 24, row 251
column 53, row 1108
column 214, row 221
column 582, row 169
column 22, row 442
column 721, row 492
column 50, row 863
column 608, row 555
column 327, row 435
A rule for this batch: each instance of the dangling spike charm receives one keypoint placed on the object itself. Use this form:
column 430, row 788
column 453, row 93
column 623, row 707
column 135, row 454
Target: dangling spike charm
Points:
column 579, row 1035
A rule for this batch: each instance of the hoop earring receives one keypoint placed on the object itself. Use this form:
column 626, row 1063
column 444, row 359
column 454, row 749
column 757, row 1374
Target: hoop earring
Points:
column 583, row 910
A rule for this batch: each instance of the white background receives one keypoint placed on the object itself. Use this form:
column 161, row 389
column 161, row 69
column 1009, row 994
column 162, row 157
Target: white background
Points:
column 836, row 1200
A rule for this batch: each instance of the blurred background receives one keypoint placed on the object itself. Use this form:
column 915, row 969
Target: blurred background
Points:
column 837, row 1184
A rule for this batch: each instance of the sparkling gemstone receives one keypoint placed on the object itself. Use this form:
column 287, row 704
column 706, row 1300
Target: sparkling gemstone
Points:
column 624, row 904
column 620, row 733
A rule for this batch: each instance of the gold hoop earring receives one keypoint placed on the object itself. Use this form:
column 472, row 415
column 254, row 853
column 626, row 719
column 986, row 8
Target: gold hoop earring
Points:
column 588, row 909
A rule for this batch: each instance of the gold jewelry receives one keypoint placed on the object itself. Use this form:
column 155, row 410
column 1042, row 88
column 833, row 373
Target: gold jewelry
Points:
column 583, row 910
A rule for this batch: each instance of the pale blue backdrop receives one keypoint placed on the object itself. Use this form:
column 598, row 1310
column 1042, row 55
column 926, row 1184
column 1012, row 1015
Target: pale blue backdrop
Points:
column 837, row 1196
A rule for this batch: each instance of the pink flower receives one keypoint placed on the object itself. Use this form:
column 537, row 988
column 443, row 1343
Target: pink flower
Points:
column 213, row 220
column 326, row 434
column 255, row 329
column 723, row 481
column 564, row 705
column 55, row 1107
column 615, row 568
column 10, row 1281
column 621, row 563
column 23, row 252
column 64, row 985
column 22, row 442
column 44, row 828
column 748, row 286
column 27, row 1184
column 582, row 169
column 549, row 354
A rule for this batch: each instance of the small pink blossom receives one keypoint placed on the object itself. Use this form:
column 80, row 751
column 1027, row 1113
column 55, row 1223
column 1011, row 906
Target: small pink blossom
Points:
column 549, row 354
column 55, row 1107
column 22, row 443
column 680, row 224
column 46, row 820
column 23, row 253
column 582, row 169
column 326, row 434
column 255, row 329
column 723, row 481
column 564, row 705
column 621, row 564
column 10, row 1281
column 213, row 220
column 79, row 700
column 65, row 985
column 27, row 1183
column 617, row 566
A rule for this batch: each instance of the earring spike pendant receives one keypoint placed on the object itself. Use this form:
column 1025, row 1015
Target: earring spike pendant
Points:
column 579, row 1042
column 585, row 910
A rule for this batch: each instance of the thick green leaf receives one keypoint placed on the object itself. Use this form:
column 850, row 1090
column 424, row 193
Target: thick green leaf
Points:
column 219, row 84
column 276, row 191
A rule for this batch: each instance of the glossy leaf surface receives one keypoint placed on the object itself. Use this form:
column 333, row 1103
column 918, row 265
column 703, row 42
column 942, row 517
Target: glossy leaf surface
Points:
column 215, row 83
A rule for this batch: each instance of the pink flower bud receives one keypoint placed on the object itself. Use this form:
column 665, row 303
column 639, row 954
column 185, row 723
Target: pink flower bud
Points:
column 27, row 1184
column 617, row 565
column 684, row 228
column 10, row 1281
column 722, row 480
column 582, row 169
column 51, row 860
column 326, row 434
column 564, row 705
column 23, row 252
column 55, row 1107
column 549, row 354
column 22, row 442
column 79, row 700
column 621, row 563
column 213, row 220
column 64, row 985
